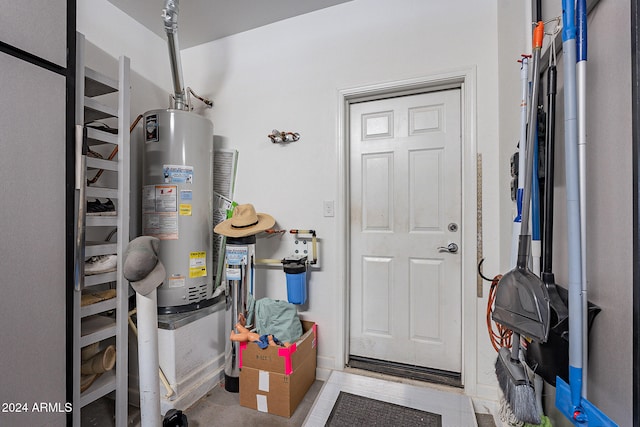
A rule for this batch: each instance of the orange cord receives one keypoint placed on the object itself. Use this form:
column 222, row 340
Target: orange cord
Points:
column 500, row 336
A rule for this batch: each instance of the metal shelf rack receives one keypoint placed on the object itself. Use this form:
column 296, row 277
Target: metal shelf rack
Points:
column 99, row 97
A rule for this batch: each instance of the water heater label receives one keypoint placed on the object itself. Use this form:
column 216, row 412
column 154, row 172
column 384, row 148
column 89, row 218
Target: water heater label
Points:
column 233, row 274
column 160, row 198
column 151, row 128
column 177, row 281
column 237, row 255
column 197, row 264
column 160, row 211
column 185, row 209
column 164, row 226
column 176, row 174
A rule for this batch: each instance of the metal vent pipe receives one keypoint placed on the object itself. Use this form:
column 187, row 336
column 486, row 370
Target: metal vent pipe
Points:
column 170, row 16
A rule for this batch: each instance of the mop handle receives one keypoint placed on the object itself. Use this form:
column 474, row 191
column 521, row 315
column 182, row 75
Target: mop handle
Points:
column 573, row 201
column 549, row 172
column 581, row 91
column 524, row 85
column 538, row 34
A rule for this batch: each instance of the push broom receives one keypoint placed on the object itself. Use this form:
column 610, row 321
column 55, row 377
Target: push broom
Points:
column 522, row 302
column 570, row 400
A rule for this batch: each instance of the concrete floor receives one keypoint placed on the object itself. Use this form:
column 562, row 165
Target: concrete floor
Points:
column 217, row 408
column 220, row 408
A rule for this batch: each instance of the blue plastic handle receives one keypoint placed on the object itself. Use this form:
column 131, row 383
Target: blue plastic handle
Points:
column 568, row 20
column 581, row 41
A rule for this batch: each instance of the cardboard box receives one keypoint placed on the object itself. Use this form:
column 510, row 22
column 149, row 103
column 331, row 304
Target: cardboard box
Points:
column 275, row 379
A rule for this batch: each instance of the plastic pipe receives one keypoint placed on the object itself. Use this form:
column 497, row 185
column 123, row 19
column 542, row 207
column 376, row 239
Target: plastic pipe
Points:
column 163, row 377
column 149, row 366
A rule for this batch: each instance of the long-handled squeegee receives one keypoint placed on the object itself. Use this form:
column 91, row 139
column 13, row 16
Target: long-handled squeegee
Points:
column 570, row 400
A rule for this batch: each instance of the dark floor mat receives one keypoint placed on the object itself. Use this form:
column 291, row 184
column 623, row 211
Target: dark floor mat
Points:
column 353, row 410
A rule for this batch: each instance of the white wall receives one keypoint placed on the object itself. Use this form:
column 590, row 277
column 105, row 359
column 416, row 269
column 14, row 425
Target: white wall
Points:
column 288, row 76
column 117, row 34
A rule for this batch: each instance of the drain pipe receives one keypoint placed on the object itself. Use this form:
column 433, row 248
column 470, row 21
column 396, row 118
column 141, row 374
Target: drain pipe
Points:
column 170, row 17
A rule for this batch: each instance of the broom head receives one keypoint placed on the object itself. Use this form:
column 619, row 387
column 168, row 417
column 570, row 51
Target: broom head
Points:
column 516, row 387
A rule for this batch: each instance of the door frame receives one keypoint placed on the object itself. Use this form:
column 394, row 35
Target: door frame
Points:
column 465, row 80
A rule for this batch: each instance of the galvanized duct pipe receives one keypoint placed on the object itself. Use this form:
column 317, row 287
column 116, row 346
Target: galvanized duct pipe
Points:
column 170, row 16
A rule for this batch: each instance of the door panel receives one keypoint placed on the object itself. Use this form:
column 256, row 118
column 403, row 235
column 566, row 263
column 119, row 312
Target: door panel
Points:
column 20, row 19
column 405, row 187
column 32, row 257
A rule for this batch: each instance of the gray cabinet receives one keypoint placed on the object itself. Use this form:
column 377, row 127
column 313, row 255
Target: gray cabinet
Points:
column 32, row 230
column 21, row 18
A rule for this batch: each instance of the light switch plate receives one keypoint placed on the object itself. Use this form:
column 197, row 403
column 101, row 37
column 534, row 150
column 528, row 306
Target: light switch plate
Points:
column 328, row 208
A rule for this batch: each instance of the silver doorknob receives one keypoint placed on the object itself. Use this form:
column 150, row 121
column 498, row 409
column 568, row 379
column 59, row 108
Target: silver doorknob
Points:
column 452, row 248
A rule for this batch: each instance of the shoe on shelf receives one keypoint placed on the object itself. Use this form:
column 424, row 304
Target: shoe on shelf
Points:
column 100, row 264
column 99, row 208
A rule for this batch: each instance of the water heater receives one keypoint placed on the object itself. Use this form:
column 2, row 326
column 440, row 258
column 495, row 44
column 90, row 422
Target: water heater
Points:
column 177, row 204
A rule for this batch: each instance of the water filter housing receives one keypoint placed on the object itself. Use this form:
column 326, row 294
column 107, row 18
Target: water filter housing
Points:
column 177, row 204
column 296, row 274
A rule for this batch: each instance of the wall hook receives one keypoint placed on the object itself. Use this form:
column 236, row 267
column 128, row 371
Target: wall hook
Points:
column 278, row 137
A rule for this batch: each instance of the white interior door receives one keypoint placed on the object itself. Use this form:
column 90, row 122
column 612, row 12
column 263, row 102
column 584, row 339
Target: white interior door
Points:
column 405, row 190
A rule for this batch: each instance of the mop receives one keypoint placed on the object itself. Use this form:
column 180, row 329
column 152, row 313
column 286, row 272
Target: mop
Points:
column 570, row 400
column 522, row 302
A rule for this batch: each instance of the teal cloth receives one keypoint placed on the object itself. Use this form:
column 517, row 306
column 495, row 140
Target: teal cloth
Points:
column 274, row 317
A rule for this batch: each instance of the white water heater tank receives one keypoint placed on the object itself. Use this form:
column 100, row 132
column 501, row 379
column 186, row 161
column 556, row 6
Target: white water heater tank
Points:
column 177, row 204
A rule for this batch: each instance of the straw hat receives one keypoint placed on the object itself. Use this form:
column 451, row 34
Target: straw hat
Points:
column 245, row 222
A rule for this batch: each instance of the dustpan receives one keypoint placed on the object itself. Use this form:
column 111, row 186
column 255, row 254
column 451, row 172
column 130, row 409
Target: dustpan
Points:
column 522, row 301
